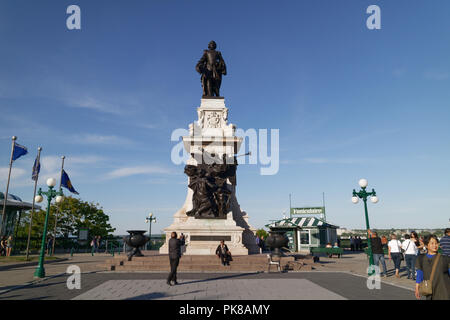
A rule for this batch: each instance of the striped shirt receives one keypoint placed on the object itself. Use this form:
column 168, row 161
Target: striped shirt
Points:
column 445, row 245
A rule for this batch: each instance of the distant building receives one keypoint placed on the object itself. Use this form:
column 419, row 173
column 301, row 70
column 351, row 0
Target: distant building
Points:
column 305, row 232
column 14, row 209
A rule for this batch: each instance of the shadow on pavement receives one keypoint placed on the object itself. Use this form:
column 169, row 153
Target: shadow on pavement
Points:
column 217, row 278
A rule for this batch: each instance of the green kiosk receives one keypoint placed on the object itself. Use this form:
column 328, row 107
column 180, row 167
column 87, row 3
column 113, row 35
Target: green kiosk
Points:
column 304, row 230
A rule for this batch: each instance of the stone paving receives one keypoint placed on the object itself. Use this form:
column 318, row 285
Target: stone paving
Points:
column 223, row 289
column 332, row 278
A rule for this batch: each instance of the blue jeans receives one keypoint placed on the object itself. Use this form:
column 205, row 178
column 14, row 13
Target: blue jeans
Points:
column 397, row 258
column 410, row 260
column 376, row 261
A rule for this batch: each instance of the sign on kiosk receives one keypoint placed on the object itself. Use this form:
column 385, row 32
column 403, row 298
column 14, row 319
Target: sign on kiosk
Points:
column 313, row 210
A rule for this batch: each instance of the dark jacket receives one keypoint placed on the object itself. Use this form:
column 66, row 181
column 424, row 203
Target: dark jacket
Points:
column 441, row 281
column 174, row 248
column 377, row 246
column 219, row 251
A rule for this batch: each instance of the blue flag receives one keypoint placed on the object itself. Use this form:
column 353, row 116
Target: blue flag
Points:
column 19, row 151
column 65, row 182
column 36, row 169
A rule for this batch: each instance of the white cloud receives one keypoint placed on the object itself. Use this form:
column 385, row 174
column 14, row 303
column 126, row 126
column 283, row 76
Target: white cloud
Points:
column 95, row 104
column 436, row 75
column 130, row 171
column 101, row 139
column 15, row 173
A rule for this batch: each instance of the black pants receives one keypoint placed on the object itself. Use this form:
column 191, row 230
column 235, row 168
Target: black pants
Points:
column 225, row 258
column 173, row 269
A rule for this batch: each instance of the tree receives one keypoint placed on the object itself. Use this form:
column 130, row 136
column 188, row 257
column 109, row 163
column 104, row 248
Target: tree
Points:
column 73, row 214
column 262, row 232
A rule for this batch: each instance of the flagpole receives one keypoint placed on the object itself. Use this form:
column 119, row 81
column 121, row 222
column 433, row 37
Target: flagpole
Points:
column 5, row 198
column 32, row 208
column 58, row 207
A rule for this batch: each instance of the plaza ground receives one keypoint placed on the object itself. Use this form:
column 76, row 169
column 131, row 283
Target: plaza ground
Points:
column 332, row 278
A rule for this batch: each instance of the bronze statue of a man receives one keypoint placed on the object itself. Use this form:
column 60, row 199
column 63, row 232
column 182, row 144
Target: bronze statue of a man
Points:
column 211, row 66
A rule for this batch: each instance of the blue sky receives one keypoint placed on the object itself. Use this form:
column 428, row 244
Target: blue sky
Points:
column 349, row 102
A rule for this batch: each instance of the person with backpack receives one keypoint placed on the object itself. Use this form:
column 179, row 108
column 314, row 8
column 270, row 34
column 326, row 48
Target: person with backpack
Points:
column 433, row 272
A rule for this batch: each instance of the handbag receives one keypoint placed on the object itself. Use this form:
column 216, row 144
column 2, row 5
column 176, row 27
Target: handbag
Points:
column 403, row 251
column 426, row 286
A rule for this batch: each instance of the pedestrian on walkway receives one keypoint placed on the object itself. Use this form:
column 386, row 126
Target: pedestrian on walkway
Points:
column 440, row 277
column 384, row 242
column 182, row 243
column 3, row 246
column 9, row 243
column 377, row 251
column 174, row 257
column 416, row 241
column 352, row 244
column 49, row 245
column 395, row 253
column 94, row 244
column 262, row 243
column 422, row 248
column 98, row 243
column 410, row 256
column 257, row 242
column 445, row 243
column 223, row 253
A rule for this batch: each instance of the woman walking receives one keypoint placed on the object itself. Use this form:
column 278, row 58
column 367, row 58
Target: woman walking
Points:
column 9, row 246
column 395, row 253
column 410, row 256
column 384, row 242
column 435, row 267
column 3, row 246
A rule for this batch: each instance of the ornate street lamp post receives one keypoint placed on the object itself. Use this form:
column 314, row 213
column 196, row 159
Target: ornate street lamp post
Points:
column 149, row 220
column 363, row 194
column 51, row 193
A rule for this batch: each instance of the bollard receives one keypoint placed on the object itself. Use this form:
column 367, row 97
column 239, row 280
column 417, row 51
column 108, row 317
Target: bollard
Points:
column 92, row 251
column 71, row 252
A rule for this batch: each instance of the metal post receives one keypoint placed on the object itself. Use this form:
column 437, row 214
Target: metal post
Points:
column 32, row 207
column 369, row 242
column 40, row 271
column 150, row 236
column 5, row 198
column 290, row 206
column 57, row 207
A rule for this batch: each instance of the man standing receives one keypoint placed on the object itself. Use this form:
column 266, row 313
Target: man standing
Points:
column 377, row 251
column 445, row 243
column 174, row 257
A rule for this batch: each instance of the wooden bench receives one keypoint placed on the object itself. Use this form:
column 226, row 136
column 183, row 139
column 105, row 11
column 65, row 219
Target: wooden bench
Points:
column 328, row 251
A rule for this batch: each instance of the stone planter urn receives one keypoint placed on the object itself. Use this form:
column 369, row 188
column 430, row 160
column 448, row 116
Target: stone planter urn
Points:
column 275, row 241
column 136, row 239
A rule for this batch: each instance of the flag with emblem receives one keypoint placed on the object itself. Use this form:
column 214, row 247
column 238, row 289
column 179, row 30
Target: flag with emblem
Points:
column 66, row 183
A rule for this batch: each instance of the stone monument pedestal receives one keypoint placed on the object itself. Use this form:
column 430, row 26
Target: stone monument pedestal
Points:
column 212, row 133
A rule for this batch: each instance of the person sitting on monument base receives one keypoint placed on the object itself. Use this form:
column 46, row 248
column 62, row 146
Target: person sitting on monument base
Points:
column 223, row 253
